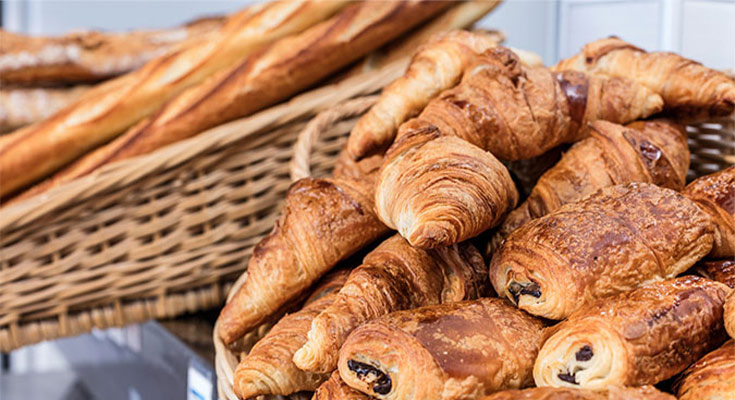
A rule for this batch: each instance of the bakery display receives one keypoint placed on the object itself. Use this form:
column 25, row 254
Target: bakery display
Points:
column 688, row 88
column 395, row 276
column 450, row 351
column 508, row 225
column 502, row 109
column 652, row 151
column 710, row 378
column 88, row 56
column 612, row 393
column 103, row 113
column 609, row 242
column 715, row 194
column 640, row 337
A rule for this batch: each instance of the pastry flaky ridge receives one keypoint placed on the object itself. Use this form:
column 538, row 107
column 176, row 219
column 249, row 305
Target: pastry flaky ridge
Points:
column 592, row 301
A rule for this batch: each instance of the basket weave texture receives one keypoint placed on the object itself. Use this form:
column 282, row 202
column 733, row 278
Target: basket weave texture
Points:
column 712, row 145
column 161, row 234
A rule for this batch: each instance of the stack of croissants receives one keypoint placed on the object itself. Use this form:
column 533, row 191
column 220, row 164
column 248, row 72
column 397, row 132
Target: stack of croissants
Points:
column 413, row 272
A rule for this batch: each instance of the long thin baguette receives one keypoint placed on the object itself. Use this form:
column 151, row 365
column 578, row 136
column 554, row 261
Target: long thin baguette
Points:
column 105, row 112
column 264, row 78
column 21, row 106
column 89, row 56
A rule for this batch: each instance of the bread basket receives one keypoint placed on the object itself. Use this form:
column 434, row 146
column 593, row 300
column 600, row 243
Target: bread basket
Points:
column 162, row 234
column 712, row 145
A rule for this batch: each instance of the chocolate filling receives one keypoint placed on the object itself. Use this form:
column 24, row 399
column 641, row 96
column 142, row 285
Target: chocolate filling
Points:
column 567, row 377
column 380, row 381
column 517, row 289
column 584, row 354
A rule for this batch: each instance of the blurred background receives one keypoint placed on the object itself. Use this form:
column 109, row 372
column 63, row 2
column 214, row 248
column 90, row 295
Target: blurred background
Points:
column 700, row 29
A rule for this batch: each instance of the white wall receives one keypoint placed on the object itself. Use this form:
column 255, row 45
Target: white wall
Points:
column 701, row 29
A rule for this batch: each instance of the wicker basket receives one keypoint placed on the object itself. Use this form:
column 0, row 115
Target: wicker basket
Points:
column 712, row 145
column 162, row 234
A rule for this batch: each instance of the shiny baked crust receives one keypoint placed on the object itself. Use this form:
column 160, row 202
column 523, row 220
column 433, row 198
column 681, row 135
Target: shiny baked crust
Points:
column 618, row 238
column 730, row 314
column 88, row 56
column 687, row 87
column 710, row 378
column 653, row 151
column 439, row 186
column 112, row 107
column 715, row 193
column 436, row 66
column 336, row 389
column 323, row 222
column 267, row 368
column 612, row 393
column 395, row 276
column 640, row 337
column 722, row 271
column 450, row 351
column 262, row 79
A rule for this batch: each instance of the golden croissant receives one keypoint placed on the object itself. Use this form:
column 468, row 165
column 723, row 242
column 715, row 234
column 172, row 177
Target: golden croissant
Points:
column 646, row 151
column 436, row 66
column 437, row 194
column 267, row 368
column 730, row 314
column 640, row 337
column 395, row 276
column 711, row 378
column 323, row 222
column 722, row 271
column 687, row 87
column 715, row 193
column 610, row 242
column 450, row 351
column 611, row 393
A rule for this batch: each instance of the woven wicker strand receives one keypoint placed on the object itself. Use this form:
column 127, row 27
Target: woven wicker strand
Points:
column 161, row 234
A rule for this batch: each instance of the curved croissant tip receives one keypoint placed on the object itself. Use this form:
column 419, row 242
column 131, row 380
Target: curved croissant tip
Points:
column 304, row 358
column 430, row 235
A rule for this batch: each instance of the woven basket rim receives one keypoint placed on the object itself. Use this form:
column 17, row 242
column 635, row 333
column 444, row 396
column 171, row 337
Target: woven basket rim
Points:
column 124, row 172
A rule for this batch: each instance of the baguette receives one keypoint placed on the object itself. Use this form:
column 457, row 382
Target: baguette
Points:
column 106, row 111
column 89, row 56
column 20, row 106
column 266, row 77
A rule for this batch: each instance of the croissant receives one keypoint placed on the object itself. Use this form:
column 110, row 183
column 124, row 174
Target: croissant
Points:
column 715, row 193
column 393, row 277
column 89, row 56
column 450, row 351
column 687, row 87
column 611, row 393
column 646, row 151
column 730, row 314
column 722, row 271
column 267, row 368
column 323, row 222
column 106, row 111
column 436, row 66
column 712, row 377
column 501, row 107
column 635, row 338
column 336, row 389
column 609, row 242
column 260, row 80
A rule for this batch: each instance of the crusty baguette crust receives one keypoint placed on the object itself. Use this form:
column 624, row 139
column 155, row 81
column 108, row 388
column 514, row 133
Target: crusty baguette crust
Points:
column 89, row 56
column 20, row 106
column 107, row 110
column 266, row 77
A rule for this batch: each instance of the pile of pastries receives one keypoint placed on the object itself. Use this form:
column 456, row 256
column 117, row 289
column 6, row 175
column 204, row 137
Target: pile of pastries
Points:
column 424, row 278
column 170, row 85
